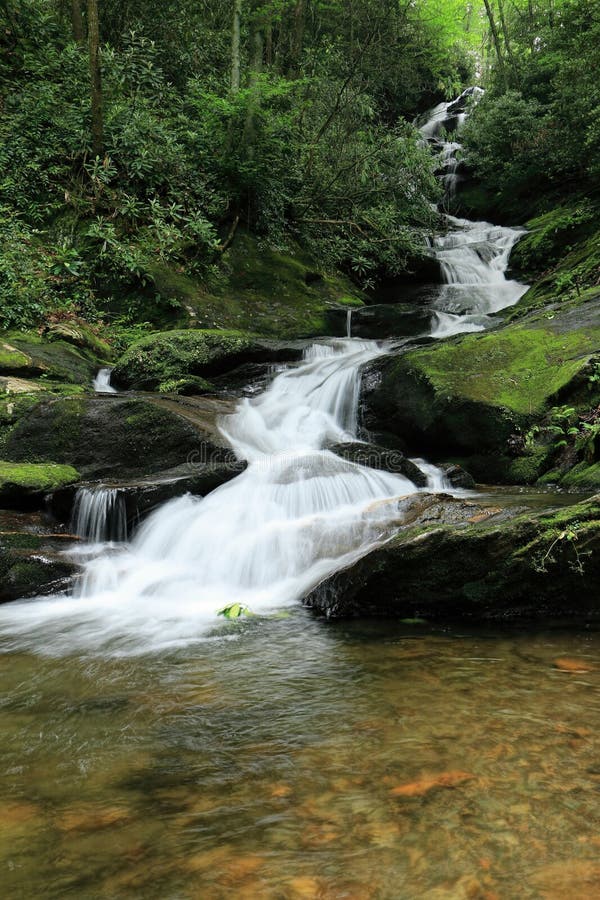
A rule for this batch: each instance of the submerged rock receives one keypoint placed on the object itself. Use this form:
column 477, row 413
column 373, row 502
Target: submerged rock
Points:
column 377, row 457
column 455, row 559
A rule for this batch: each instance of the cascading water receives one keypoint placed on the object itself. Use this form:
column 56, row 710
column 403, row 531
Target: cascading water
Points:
column 264, row 539
column 298, row 512
column 473, row 256
column 99, row 514
column 102, row 383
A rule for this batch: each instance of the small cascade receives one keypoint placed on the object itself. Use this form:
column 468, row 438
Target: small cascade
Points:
column 349, row 324
column 102, row 383
column 99, row 514
column 473, row 256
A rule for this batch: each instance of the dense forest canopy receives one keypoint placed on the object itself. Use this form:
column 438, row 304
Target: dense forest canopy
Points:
column 142, row 134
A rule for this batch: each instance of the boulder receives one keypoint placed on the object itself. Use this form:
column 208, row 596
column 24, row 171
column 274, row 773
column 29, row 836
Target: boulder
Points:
column 28, row 355
column 24, row 485
column 376, row 457
column 144, row 495
column 456, row 560
column 120, row 437
column 457, row 476
column 161, row 360
column 470, row 394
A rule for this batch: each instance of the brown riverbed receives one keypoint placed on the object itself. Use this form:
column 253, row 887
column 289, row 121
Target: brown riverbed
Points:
column 294, row 758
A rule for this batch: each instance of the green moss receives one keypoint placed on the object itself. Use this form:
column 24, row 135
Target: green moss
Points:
column 12, row 360
column 55, row 359
column 35, row 477
column 190, row 385
column 518, row 368
column 170, row 356
column 259, row 288
column 583, row 475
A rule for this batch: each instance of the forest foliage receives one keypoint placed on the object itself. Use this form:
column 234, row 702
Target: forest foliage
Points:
column 151, row 141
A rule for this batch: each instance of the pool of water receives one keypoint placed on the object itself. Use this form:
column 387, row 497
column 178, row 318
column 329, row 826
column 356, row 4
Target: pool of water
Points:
column 298, row 758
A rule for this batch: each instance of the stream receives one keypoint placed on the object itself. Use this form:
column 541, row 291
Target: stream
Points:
column 150, row 748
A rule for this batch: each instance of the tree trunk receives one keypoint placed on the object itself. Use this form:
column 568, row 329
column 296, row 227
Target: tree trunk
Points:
column 96, row 77
column 506, row 36
column 254, row 101
column 297, row 36
column 77, row 22
column 235, row 46
column 495, row 38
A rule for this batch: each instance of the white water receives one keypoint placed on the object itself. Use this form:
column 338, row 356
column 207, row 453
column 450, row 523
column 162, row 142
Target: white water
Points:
column 102, row 383
column 99, row 515
column 473, row 256
column 297, row 514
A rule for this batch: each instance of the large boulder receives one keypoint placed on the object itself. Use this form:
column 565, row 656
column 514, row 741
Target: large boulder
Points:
column 120, row 436
column 455, row 560
column 53, row 357
column 162, row 360
column 470, row 395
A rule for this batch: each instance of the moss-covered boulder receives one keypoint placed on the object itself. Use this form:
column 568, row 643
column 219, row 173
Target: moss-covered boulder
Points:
column 52, row 357
column 458, row 560
column 31, row 558
column 24, row 485
column 469, row 395
column 118, row 436
column 181, row 361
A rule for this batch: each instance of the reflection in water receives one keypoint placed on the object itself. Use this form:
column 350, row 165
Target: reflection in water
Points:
column 293, row 759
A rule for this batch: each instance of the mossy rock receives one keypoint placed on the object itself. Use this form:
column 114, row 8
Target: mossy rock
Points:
column 259, row 288
column 453, row 561
column 115, row 436
column 170, row 356
column 583, row 476
column 29, row 355
column 470, row 394
column 23, row 485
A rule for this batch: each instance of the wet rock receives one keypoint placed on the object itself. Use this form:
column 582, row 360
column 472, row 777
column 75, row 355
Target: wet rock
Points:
column 143, row 496
column 121, row 437
column 454, row 560
column 471, row 394
column 32, row 561
column 382, row 321
column 457, row 476
column 377, row 457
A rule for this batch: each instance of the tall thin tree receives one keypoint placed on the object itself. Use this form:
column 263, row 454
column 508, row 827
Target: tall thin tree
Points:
column 95, row 77
column 77, row 22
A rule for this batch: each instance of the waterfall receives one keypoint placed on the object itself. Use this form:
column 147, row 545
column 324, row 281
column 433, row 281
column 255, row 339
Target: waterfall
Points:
column 99, row 514
column 473, row 256
column 102, row 383
column 264, row 540
column 349, row 323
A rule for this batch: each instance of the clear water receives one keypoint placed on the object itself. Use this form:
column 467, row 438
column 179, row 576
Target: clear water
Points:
column 264, row 763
